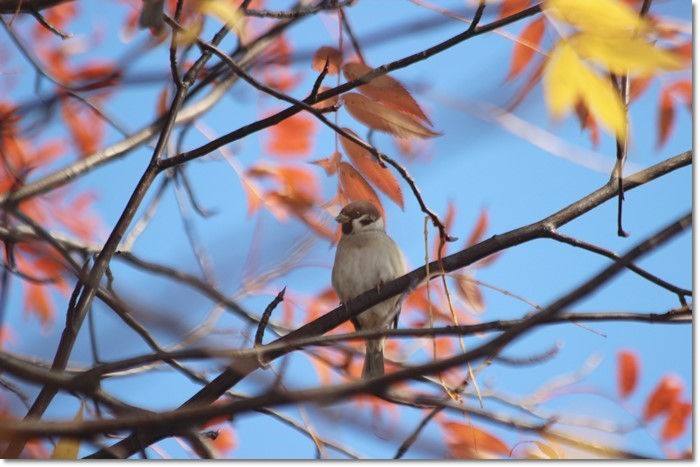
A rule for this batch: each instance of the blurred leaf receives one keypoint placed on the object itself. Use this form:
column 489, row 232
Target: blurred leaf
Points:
column 368, row 166
column 479, row 230
column 510, row 7
column 385, row 89
column 469, row 291
column 225, row 441
column 666, row 117
column 291, row 137
column 622, row 55
column 382, row 118
column 334, row 57
column 547, row 450
column 567, row 80
column 609, row 18
column 627, row 372
column 663, row 397
column 469, row 442
column 675, row 424
column 67, row 448
column 524, row 50
column 329, row 165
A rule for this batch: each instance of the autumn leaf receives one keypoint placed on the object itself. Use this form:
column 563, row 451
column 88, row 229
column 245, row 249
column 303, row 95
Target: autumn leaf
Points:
column 224, row 11
column 291, row 137
column 510, row 7
column 355, row 187
column 525, row 47
column 368, row 166
column 682, row 90
column 67, row 448
column 469, row 442
column 548, row 450
column 663, row 397
column 625, row 55
column 334, row 57
column 627, row 372
column 330, row 164
column 608, row 18
column 675, row 424
column 225, row 440
column 385, row 89
column 37, row 302
column 469, row 291
column 386, row 119
column 567, row 81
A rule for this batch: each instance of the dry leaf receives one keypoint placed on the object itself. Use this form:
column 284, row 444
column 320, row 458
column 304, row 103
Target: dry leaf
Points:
column 385, row 89
column 368, row 166
column 355, row 187
column 334, row 57
column 329, row 165
column 382, row 118
column 469, row 442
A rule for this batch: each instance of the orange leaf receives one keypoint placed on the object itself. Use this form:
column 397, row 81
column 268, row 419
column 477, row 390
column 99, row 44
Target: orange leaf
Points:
column 331, row 101
column 470, row 293
column 664, row 396
column 666, row 117
column 368, row 166
column 524, row 49
column 291, row 137
column 510, row 7
column 675, row 424
column 627, row 372
column 683, row 90
column 225, row 441
column 37, row 301
column 469, row 442
column 355, row 187
column 586, row 121
column 479, row 229
column 385, row 89
column 685, row 50
column 448, row 221
column 334, row 57
column 638, row 85
column 386, row 119
column 329, row 165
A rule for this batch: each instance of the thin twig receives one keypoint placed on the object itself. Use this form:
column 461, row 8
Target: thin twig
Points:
column 266, row 316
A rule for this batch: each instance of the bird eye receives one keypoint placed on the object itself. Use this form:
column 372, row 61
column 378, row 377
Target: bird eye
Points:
column 366, row 221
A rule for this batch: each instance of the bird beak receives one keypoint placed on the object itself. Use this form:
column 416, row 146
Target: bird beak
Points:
column 342, row 218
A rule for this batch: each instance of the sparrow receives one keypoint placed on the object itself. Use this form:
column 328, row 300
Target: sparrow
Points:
column 366, row 258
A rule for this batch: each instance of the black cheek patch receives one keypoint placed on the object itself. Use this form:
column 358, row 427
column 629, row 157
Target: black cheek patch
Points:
column 347, row 228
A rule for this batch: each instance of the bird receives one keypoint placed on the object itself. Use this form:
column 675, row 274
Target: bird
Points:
column 366, row 257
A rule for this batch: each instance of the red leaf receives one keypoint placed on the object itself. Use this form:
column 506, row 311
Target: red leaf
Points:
column 37, row 301
column 524, row 49
column 664, row 397
column 683, row 90
column 291, row 137
column 469, row 442
column 334, row 57
column 638, row 86
column 627, row 372
column 666, row 117
column 675, row 424
column 386, row 119
column 448, row 221
column 225, row 441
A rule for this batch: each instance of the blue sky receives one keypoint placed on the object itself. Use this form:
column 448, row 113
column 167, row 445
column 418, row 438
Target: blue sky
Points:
column 476, row 164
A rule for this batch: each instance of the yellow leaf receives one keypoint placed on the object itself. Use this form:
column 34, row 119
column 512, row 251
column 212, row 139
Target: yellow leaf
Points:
column 190, row 33
column 610, row 18
column 567, row 81
column 382, row 118
column 559, row 80
column 225, row 11
column 622, row 55
column 67, row 448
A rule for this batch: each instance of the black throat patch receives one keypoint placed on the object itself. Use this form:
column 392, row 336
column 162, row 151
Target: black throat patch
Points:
column 347, row 228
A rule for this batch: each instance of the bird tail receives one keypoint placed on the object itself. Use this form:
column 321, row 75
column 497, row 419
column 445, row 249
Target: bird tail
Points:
column 374, row 359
